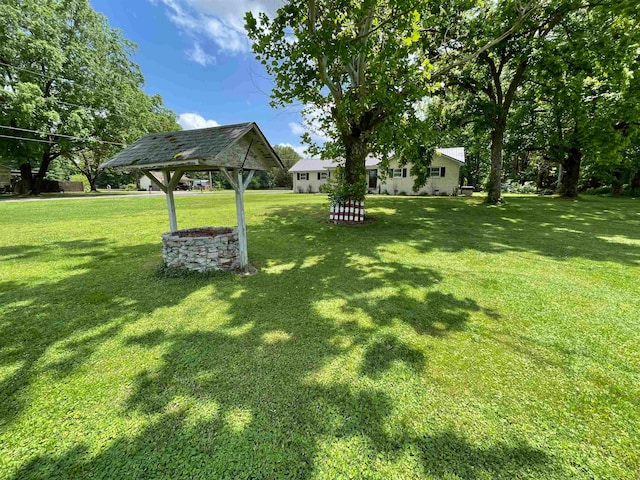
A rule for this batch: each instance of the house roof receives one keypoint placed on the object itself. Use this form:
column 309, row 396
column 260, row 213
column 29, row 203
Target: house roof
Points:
column 242, row 145
column 312, row 165
column 318, row 165
column 455, row 153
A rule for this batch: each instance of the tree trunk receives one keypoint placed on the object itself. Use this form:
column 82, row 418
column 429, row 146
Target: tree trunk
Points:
column 571, row 173
column 634, row 185
column 26, row 183
column 616, row 184
column 356, row 150
column 494, row 188
column 92, row 183
column 38, row 179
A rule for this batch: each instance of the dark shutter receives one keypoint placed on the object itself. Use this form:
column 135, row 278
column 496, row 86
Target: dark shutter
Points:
column 318, row 175
column 391, row 172
column 404, row 173
column 298, row 176
column 442, row 171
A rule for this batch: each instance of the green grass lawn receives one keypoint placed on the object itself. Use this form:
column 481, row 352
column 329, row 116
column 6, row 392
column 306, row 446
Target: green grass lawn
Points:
column 444, row 339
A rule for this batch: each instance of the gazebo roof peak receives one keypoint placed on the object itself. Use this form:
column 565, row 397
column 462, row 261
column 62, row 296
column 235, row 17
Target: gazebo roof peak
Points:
column 242, row 145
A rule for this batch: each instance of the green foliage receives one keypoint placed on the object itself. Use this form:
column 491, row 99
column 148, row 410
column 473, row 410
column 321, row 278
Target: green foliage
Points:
column 66, row 72
column 261, row 181
column 114, row 178
column 281, row 177
column 339, row 190
column 61, row 169
column 337, row 58
column 492, row 85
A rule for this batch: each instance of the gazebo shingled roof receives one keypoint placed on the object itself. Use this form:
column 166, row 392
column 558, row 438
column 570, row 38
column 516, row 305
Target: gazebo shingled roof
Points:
column 201, row 149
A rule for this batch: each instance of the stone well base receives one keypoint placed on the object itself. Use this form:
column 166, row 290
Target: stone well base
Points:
column 202, row 249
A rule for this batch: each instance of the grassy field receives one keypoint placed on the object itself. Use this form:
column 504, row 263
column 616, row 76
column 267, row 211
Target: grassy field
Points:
column 444, row 339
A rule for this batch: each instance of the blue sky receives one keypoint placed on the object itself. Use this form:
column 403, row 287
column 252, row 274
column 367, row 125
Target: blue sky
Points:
column 196, row 55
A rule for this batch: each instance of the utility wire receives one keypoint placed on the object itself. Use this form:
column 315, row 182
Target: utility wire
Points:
column 33, row 72
column 27, row 139
column 54, row 98
column 60, row 135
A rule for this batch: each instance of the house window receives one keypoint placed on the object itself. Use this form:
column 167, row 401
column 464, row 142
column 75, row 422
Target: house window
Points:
column 437, row 171
column 303, row 176
column 323, row 175
column 397, row 172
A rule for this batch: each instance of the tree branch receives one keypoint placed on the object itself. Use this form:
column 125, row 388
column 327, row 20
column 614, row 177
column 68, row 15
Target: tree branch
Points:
column 471, row 56
column 495, row 76
column 335, row 89
column 515, row 83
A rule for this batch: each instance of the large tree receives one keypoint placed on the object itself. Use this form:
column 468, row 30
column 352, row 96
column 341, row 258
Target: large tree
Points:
column 494, row 80
column 140, row 114
column 360, row 67
column 581, row 103
column 64, row 71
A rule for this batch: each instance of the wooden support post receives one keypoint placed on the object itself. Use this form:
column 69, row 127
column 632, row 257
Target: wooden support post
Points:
column 155, row 181
column 240, row 184
column 242, row 225
column 170, row 182
column 171, row 205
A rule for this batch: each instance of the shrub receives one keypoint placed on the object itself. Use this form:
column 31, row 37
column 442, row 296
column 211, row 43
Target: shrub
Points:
column 606, row 190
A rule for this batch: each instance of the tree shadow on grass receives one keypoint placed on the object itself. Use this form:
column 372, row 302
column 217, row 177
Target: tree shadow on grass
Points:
column 596, row 229
column 69, row 318
column 295, row 382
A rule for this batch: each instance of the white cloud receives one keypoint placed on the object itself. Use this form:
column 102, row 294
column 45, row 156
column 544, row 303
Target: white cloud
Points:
column 300, row 149
column 191, row 121
column 311, row 124
column 297, row 128
column 198, row 55
column 219, row 21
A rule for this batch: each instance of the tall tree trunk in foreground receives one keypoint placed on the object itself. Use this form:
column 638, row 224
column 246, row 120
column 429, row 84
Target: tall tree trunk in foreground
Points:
column 356, row 150
column 571, row 173
column 38, row 179
column 494, row 187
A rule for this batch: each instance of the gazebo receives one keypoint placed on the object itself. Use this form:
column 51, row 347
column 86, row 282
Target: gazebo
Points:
column 238, row 151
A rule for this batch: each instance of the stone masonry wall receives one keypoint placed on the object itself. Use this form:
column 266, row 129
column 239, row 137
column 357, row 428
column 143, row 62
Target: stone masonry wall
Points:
column 202, row 249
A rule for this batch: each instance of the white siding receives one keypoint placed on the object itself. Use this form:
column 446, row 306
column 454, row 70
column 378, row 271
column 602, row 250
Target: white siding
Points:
column 443, row 185
column 312, row 185
column 447, row 185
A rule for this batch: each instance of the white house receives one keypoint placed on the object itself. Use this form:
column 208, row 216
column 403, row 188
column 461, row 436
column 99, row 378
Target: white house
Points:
column 146, row 184
column 309, row 175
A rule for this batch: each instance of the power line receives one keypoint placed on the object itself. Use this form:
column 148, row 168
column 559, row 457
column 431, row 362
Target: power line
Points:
column 33, row 72
column 27, row 139
column 61, row 135
column 54, row 98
